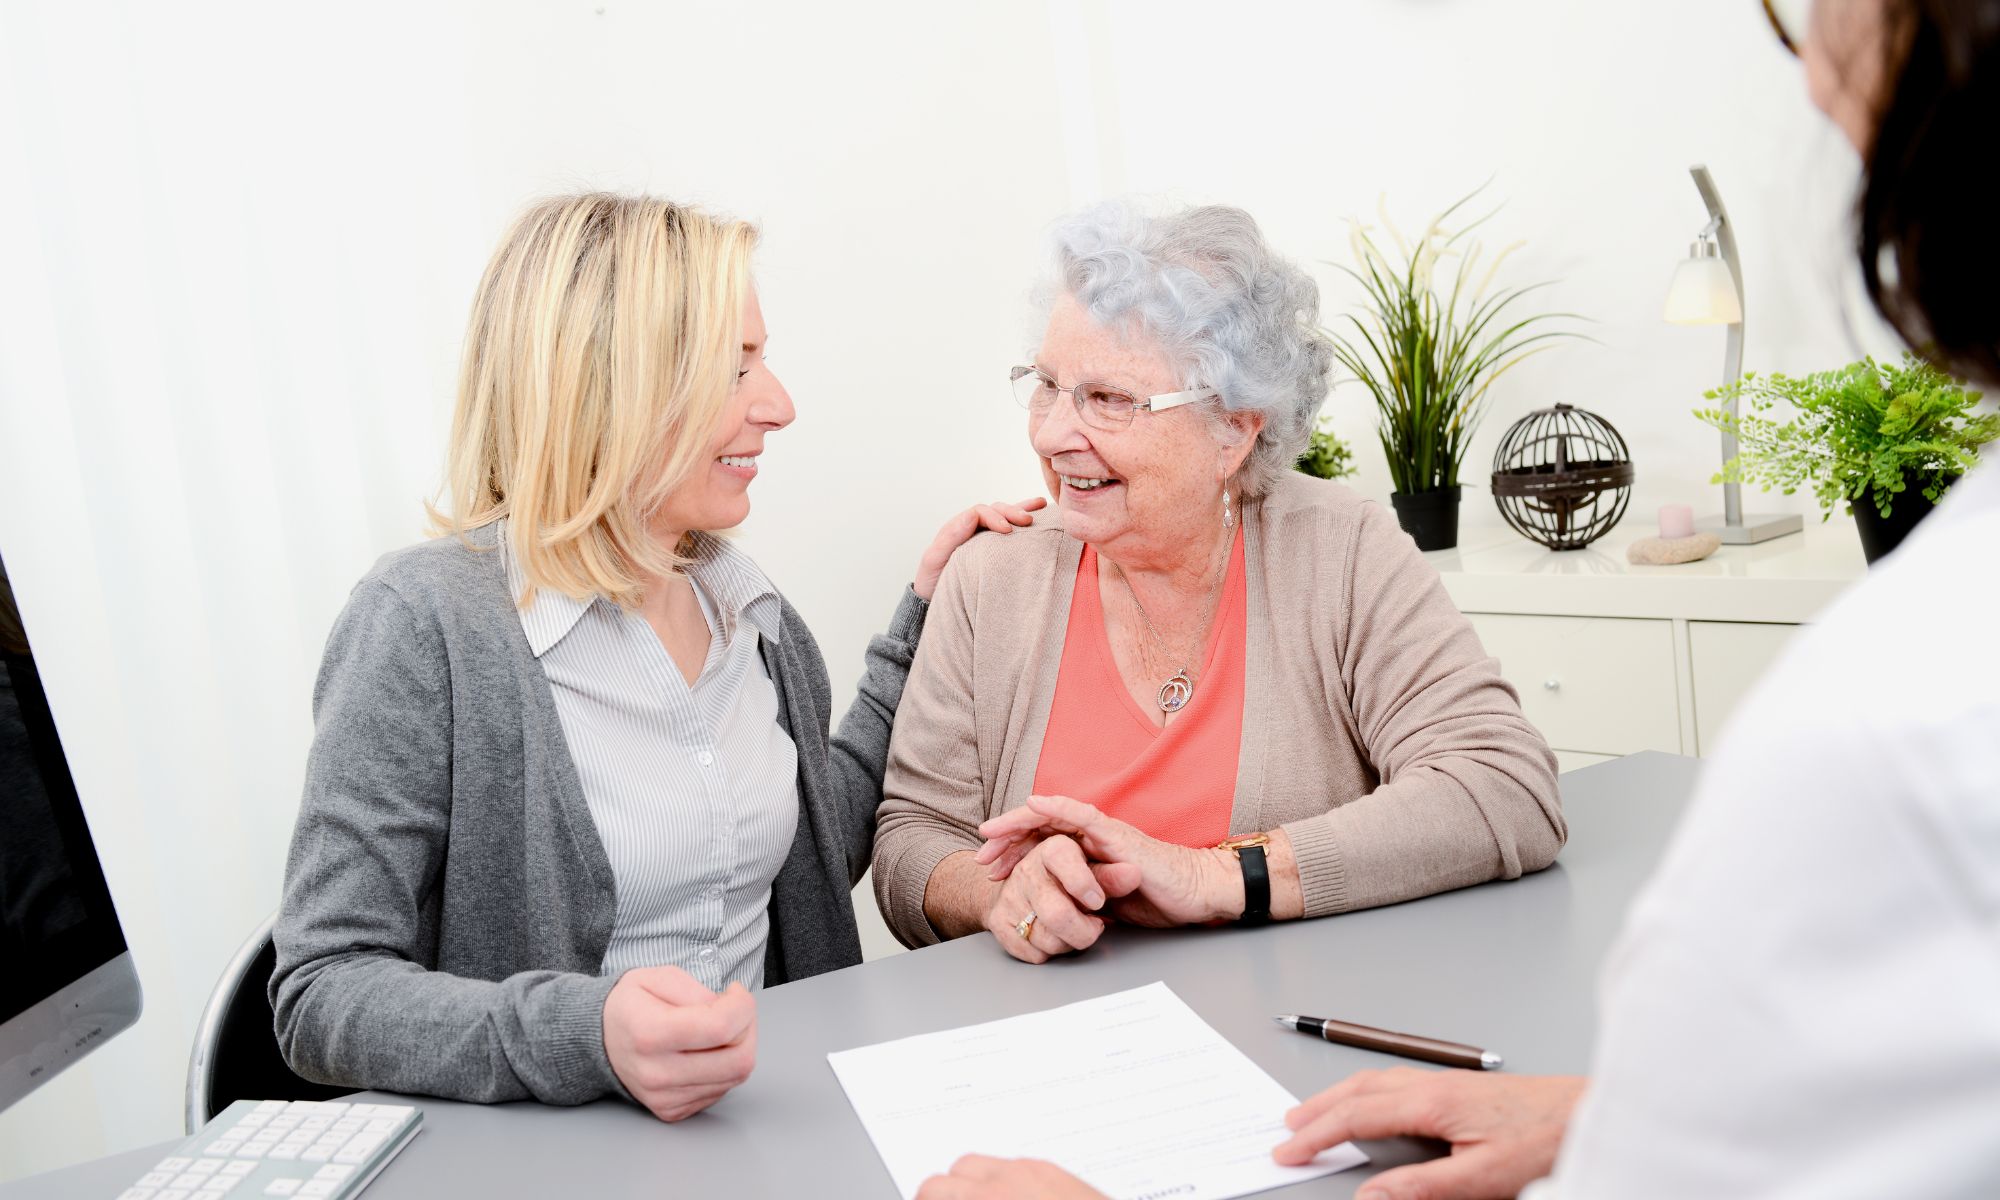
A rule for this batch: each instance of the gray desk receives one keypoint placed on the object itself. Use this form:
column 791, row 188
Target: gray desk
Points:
column 1509, row 966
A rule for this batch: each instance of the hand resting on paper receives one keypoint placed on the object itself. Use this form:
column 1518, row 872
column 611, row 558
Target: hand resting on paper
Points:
column 977, row 1177
column 676, row 1046
column 1504, row 1130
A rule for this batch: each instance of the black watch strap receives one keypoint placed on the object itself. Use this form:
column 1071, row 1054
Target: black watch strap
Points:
column 1256, row 886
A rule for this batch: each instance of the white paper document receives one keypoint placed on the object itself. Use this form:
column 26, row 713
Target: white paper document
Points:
column 1132, row 1092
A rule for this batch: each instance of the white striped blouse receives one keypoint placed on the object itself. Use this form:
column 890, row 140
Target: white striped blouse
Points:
column 694, row 791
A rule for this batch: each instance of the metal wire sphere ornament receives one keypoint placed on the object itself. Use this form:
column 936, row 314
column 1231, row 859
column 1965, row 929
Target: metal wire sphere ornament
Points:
column 1562, row 477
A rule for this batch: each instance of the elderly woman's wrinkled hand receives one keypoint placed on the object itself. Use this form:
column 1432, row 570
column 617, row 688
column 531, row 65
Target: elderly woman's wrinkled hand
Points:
column 977, row 1177
column 1161, row 884
column 1062, row 890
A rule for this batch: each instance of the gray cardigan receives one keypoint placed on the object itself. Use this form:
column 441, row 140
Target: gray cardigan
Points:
column 447, row 902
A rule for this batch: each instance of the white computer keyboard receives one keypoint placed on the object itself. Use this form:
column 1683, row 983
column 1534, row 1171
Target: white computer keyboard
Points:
column 277, row 1148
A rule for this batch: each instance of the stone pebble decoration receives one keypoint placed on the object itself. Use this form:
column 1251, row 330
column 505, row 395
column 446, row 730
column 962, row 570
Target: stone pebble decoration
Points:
column 1670, row 551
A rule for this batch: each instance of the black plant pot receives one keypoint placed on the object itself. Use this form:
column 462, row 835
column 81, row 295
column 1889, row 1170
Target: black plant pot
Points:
column 1880, row 534
column 1429, row 517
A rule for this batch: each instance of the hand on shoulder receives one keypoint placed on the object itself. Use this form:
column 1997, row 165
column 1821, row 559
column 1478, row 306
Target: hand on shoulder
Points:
column 998, row 517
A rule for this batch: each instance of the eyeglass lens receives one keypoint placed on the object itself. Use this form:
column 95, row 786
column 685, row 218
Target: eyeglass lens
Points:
column 1101, row 404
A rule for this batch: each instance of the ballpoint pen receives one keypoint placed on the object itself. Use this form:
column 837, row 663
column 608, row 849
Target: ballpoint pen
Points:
column 1450, row 1054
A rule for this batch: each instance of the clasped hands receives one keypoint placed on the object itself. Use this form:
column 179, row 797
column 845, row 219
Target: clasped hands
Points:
column 1073, row 868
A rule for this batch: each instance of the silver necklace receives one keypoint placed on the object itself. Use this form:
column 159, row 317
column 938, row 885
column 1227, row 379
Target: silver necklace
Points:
column 1179, row 687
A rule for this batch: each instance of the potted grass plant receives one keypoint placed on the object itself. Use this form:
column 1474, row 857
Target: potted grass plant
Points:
column 1428, row 343
column 1882, row 440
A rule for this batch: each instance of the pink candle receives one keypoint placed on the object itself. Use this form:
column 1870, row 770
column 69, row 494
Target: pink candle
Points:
column 1676, row 521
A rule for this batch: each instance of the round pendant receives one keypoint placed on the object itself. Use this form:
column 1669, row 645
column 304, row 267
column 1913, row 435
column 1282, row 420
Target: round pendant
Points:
column 1176, row 692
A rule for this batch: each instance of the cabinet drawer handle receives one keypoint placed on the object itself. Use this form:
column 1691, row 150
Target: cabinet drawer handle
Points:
column 1552, row 684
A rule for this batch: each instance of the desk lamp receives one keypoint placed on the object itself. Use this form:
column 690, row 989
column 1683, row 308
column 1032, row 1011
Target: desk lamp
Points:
column 1708, row 290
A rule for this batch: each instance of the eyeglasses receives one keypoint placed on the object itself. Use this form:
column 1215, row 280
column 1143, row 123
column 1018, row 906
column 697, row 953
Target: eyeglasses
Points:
column 1099, row 404
column 1789, row 19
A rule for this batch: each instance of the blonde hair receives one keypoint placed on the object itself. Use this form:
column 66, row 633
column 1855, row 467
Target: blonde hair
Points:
column 603, row 345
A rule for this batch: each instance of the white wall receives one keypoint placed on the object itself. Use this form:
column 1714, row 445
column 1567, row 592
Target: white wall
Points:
column 1585, row 116
column 238, row 242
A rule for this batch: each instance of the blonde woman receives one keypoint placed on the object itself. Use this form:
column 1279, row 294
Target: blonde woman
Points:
column 571, row 794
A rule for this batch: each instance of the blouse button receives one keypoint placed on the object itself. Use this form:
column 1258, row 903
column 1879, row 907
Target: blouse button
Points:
column 705, row 759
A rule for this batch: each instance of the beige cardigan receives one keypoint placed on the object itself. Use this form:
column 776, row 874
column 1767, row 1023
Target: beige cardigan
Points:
column 1376, row 730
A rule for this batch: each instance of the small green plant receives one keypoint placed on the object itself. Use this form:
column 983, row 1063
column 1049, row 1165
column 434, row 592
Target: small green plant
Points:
column 1866, row 429
column 1326, row 456
column 1431, row 341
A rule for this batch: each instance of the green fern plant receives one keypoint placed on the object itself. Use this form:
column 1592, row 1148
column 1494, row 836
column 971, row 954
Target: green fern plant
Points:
column 1326, row 456
column 1867, row 429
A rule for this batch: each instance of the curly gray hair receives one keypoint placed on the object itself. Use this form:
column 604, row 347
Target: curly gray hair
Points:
column 1205, row 285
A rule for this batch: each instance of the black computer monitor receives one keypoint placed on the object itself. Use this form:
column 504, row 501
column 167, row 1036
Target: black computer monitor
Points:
column 66, row 979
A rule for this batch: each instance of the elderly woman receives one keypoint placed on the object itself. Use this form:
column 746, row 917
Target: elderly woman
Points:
column 1210, row 688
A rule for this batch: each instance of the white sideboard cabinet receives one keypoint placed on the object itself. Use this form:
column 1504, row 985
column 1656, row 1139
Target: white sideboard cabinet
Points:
column 1612, row 658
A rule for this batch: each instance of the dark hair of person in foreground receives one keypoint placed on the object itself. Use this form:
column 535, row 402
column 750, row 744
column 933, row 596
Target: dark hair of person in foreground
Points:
column 1927, row 239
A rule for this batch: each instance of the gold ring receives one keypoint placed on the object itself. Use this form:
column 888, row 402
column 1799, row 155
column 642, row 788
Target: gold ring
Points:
column 1026, row 925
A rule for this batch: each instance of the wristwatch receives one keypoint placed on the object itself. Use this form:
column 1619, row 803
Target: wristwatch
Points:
column 1256, row 876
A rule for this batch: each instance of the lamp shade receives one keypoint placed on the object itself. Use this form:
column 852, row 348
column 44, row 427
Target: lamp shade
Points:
column 1703, row 293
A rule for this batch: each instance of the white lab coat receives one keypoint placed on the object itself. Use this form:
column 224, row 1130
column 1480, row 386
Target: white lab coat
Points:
column 1805, row 1001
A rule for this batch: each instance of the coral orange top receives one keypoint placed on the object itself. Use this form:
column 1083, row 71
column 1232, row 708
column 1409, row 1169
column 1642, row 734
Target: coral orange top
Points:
column 1176, row 783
